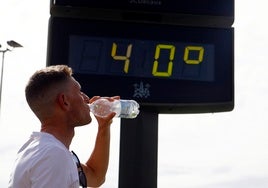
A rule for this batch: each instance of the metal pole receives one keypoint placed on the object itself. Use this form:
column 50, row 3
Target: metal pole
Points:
column 1, row 81
column 12, row 44
column 138, row 151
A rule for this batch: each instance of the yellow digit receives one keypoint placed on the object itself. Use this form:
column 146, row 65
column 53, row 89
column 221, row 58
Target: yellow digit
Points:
column 155, row 71
column 122, row 58
column 193, row 61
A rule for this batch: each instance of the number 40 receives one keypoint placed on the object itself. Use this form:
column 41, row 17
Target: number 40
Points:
column 157, row 54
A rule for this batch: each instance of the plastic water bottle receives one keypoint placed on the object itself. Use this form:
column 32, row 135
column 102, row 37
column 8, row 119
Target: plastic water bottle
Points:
column 123, row 108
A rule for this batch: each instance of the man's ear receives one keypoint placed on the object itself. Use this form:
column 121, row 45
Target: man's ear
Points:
column 63, row 101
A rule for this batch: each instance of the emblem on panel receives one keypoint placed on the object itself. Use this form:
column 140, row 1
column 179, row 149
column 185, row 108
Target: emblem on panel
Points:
column 141, row 90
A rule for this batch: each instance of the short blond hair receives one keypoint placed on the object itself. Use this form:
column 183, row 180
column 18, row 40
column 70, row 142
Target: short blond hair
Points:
column 42, row 82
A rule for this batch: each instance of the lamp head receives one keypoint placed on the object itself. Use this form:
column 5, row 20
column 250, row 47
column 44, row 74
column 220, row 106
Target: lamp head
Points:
column 14, row 44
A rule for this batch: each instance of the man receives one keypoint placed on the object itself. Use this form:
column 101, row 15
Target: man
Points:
column 45, row 161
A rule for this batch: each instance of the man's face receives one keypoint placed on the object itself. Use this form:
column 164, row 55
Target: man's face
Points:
column 79, row 109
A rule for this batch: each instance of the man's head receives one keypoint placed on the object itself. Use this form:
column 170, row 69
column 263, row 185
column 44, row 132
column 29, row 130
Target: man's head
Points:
column 53, row 90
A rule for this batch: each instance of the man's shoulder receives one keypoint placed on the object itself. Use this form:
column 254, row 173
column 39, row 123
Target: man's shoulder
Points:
column 43, row 145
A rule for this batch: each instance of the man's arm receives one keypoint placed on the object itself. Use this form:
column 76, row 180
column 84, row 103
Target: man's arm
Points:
column 96, row 166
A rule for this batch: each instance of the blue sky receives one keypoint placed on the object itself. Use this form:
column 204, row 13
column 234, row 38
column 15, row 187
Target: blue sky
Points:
column 223, row 150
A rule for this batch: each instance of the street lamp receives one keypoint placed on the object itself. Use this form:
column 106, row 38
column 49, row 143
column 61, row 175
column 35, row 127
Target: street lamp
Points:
column 10, row 45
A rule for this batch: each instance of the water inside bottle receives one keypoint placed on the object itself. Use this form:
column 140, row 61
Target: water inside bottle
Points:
column 101, row 107
column 129, row 109
column 122, row 108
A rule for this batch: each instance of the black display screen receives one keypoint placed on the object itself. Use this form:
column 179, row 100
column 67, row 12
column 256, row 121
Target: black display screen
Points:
column 141, row 58
column 166, row 68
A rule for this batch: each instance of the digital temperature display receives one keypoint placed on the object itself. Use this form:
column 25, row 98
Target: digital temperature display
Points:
column 165, row 68
column 141, row 58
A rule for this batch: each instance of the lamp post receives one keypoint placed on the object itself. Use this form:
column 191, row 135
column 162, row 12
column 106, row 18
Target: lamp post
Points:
column 10, row 45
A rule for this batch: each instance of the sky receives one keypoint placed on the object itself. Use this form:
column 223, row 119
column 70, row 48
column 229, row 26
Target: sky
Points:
column 222, row 150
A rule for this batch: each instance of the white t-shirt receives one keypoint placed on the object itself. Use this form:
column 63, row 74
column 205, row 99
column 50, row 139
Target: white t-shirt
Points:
column 44, row 162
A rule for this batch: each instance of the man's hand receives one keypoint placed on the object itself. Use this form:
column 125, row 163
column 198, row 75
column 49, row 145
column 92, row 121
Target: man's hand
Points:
column 105, row 121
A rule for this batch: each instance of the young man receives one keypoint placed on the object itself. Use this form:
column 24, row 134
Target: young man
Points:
column 45, row 161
